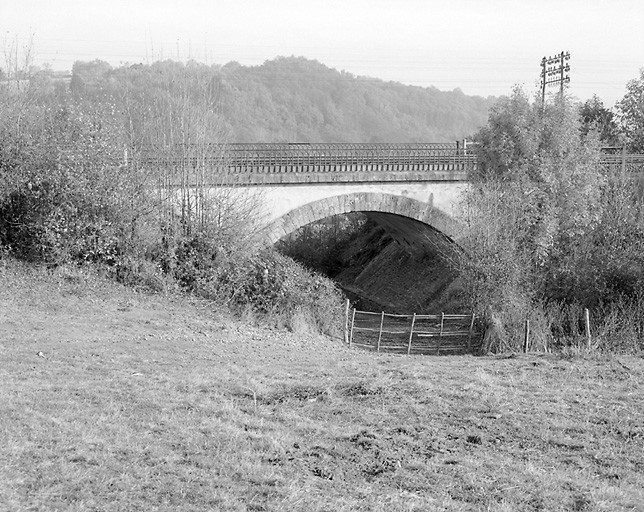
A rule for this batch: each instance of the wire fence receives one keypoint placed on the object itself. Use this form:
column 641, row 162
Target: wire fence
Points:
column 413, row 334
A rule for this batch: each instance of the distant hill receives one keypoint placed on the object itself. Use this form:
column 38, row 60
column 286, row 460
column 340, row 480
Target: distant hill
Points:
column 288, row 99
column 295, row 99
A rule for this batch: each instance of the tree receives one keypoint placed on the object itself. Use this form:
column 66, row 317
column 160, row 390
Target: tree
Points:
column 548, row 173
column 89, row 79
column 546, row 223
column 64, row 194
column 595, row 117
column 631, row 114
column 507, row 144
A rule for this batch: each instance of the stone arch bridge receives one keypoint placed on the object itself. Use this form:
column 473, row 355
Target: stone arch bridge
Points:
column 407, row 188
column 411, row 189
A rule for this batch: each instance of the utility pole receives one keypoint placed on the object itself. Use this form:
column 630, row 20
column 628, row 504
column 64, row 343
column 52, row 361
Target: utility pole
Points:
column 554, row 70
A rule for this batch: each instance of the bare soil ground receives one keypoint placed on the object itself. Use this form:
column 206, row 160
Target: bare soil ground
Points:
column 380, row 274
column 112, row 399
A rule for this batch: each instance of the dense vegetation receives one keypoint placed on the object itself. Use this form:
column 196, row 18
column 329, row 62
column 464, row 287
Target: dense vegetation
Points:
column 550, row 230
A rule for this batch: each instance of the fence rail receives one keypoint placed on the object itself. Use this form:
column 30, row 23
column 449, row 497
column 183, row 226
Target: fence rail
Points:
column 413, row 334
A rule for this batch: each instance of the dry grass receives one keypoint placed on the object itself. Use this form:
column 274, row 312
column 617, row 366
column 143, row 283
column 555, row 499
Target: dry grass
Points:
column 114, row 400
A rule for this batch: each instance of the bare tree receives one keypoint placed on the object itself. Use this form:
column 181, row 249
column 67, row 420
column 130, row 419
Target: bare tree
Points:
column 180, row 145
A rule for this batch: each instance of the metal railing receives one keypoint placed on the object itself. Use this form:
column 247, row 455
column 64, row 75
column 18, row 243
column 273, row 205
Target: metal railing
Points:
column 305, row 157
column 277, row 158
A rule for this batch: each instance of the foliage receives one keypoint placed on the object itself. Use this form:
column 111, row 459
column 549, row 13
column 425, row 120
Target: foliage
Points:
column 630, row 112
column 64, row 194
column 263, row 281
column 283, row 100
column 507, row 143
column 546, row 222
column 597, row 118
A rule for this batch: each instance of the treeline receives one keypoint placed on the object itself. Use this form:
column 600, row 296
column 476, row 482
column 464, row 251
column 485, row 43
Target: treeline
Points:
column 291, row 100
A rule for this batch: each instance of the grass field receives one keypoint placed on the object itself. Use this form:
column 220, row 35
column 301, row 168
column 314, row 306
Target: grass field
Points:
column 116, row 400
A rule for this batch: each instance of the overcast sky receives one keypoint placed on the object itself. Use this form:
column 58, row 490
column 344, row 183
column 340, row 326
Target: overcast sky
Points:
column 483, row 47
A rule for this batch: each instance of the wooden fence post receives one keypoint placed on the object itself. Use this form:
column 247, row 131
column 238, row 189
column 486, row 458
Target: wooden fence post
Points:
column 440, row 335
column 382, row 321
column 353, row 321
column 587, row 325
column 526, row 337
column 411, row 333
column 623, row 161
column 470, row 334
column 346, row 322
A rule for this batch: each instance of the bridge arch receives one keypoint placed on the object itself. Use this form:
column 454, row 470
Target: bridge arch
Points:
column 401, row 215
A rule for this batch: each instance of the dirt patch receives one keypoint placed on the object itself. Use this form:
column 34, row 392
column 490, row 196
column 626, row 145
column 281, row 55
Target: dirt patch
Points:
column 392, row 277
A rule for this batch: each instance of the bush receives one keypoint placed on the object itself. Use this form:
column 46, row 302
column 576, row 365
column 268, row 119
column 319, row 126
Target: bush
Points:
column 65, row 196
column 264, row 282
column 549, row 230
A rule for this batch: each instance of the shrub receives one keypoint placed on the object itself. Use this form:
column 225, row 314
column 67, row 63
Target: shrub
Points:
column 268, row 284
column 548, row 229
column 65, row 196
